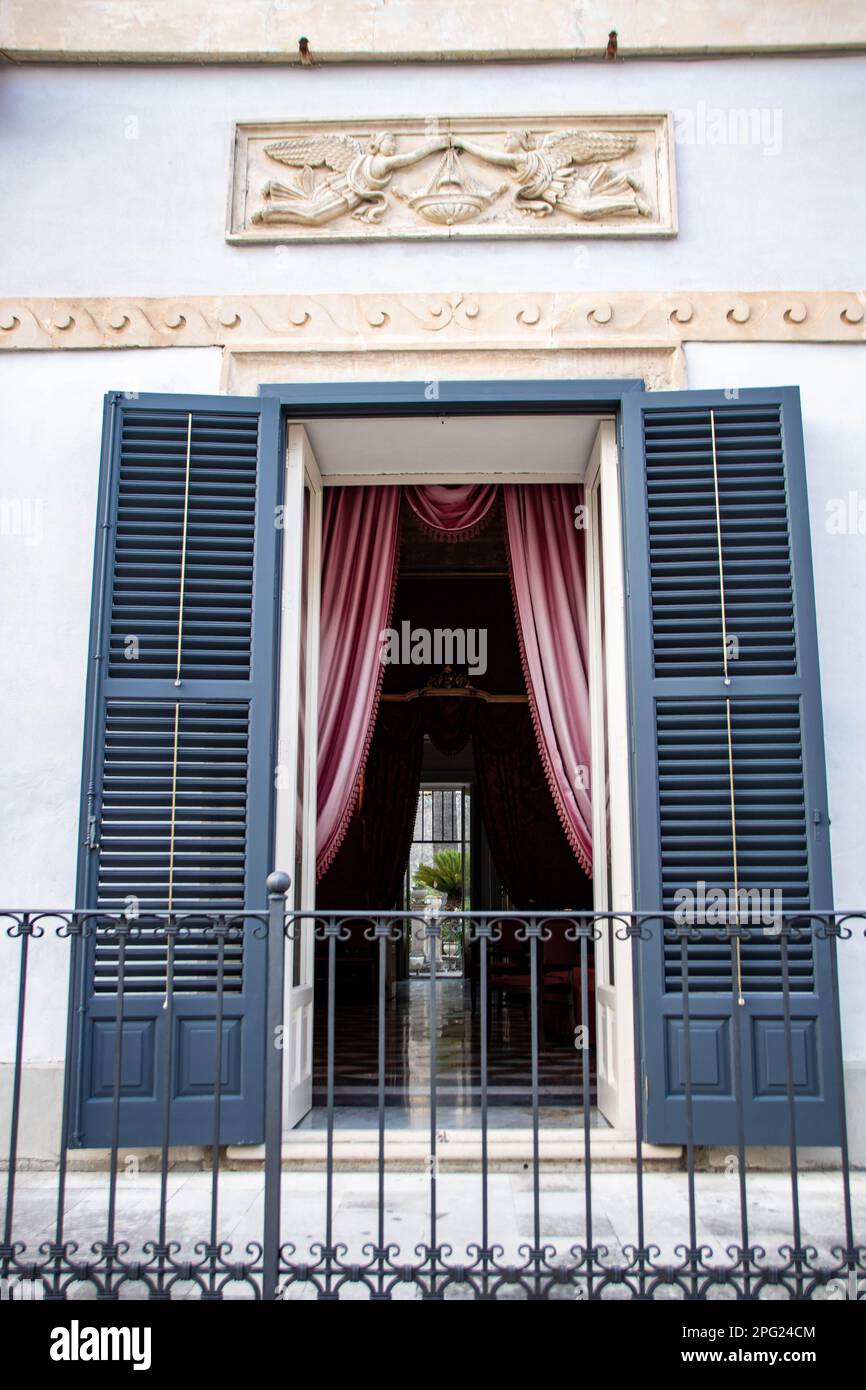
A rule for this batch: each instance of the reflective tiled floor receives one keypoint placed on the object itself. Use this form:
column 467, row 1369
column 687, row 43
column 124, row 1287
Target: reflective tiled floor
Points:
column 409, row 1059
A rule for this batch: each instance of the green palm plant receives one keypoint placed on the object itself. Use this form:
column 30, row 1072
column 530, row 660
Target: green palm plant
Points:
column 447, row 874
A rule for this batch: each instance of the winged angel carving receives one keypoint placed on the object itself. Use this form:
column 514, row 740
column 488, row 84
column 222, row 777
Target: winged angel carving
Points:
column 356, row 184
column 548, row 176
column 568, row 172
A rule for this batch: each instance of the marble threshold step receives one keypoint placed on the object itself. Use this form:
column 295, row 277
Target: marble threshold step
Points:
column 459, row 1151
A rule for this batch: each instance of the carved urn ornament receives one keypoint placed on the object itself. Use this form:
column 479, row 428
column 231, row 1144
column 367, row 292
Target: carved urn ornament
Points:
column 452, row 195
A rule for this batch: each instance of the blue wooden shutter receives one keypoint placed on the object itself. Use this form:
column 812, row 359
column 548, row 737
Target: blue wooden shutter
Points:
column 681, row 765
column 207, row 468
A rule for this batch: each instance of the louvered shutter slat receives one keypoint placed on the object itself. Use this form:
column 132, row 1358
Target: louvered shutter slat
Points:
column 683, row 544
column 192, row 560
column 220, row 529
column 688, row 839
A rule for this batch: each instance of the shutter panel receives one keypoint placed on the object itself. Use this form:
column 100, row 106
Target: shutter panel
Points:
column 728, row 757
column 178, row 776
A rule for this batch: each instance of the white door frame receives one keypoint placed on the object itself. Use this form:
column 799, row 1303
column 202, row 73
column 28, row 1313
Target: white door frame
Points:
column 296, row 766
column 611, row 811
column 608, row 705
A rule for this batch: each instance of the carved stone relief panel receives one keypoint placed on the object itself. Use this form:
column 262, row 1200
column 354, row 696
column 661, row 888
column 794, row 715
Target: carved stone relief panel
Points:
column 551, row 176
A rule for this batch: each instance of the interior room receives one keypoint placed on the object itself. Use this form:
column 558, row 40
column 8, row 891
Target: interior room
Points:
column 457, row 806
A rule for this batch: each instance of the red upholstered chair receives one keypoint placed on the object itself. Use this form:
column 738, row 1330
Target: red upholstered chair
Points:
column 558, row 975
column 507, row 960
column 561, row 976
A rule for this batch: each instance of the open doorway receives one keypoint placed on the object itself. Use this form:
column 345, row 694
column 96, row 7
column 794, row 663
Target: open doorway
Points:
column 455, row 779
column 455, row 797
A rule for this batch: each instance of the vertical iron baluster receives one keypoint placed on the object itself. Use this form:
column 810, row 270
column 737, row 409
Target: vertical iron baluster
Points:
column 332, row 930
column 792, row 1110
column 278, row 885
column 690, row 1115
column 535, row 1024
column 738, row 1003
column 80, row 967
column 832, row 929
column 221, row 928
column 587, row 1100
column 168, row 1007
column 382, row 931
column 434, row 932
column 736, row 977
column 122, row 930
column 485, row 1208
column 110, row 1270
column 635, row 931
column 65, row 1114
column 26, row 928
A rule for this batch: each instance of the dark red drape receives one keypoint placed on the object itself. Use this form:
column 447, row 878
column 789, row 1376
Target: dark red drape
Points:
column 530, row 760
column 529, row 847
column 367, row 870
column 360, row 531
column 547, row 561
column 528, row 844
column 452, row 511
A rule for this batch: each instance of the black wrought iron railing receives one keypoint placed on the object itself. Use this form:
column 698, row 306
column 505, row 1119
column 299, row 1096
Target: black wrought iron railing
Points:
column 292, row 1240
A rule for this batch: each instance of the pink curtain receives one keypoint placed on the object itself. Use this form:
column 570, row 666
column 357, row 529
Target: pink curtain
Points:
column 360, row 529
column 452, row 511
column 546, row 557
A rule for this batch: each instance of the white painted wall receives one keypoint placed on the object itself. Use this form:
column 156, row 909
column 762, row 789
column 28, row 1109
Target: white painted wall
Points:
column 832, row 383
column 50, row 429
column 116, row 179
column 88, row 211
column 50, row 422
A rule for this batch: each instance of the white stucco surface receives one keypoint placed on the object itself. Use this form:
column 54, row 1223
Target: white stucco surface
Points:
column 213, row 31
column 115, row 183
column 51, row 423
column 116, row 179
column 50, row 429
column 832, row 383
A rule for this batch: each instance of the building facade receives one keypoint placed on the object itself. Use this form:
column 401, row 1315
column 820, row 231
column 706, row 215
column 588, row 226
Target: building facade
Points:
column 298, row 255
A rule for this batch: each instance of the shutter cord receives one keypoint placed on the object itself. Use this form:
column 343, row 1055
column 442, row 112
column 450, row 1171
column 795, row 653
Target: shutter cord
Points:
column 171, row 834
column 740, row 999
column 173, row 807
column 719, row 544
column 183, row 547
